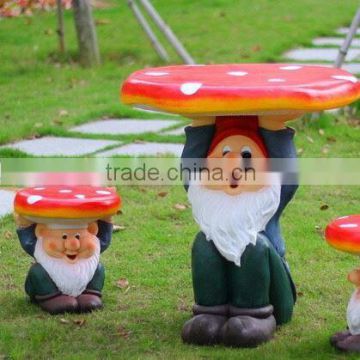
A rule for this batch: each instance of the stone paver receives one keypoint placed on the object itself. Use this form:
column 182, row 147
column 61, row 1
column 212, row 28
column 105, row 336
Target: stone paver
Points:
column 148, row 148
column 6, row 202
column 124, row 126
column 178, row 131
column 334, row 41
column 345, row 30
column 319, row 54
column 352, row 67
column 54, row 146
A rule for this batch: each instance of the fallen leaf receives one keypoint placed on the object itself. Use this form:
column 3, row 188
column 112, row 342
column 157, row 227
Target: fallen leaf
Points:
column 325, row 149
column 48, row 32
column 102, row 22
column 117, row 228
column 63, row 113
column 38, row 125
column 180, row 207
column 321, row 132
column 331, row 139
column 79, row 322
column 123, row 332
column 64, row 321
column 300, row 151
column 122, row 283
column 319, row 230
column 57, row 122
column 256, row 48
column 8, row 235
column 324, row 207
column 300, row 293
column 162, row 193
column 310, row 139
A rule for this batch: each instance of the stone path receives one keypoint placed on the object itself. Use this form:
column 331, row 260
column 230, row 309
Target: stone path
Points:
column 326, row 49
column 6, row 202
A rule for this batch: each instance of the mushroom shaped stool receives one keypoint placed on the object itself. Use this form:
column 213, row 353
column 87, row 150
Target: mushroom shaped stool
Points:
column 344, row 234
column 65, row 228
column 242, row 284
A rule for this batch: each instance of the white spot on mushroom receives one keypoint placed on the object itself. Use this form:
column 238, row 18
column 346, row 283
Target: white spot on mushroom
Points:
column 353, row 79
column 156, row 73
column 39, row 188
column 33, row 199
column 80, row 196
column 344, row 217
column 103, row 192
column 276, row 80
column 237, row 73
column 65, row 191
column 348, row 225
column 190, row 88
column 290, row 67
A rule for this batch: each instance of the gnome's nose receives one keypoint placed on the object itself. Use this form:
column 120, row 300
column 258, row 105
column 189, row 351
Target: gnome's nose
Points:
column 72, row 244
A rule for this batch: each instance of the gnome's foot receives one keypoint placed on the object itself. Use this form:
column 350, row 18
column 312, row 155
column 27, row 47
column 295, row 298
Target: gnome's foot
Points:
column 351, row 343
column 89, row 301
column 58, row 304
column 205, row 327
column 339, row 336
column 254, row 327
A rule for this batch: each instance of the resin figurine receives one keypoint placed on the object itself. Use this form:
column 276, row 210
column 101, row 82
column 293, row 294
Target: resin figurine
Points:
column 344, row 234
column 65, row 228
column 242, row 284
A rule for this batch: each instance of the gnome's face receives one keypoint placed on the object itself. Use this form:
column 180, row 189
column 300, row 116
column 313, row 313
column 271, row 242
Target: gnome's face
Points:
column 241, row 160
column 70, row 245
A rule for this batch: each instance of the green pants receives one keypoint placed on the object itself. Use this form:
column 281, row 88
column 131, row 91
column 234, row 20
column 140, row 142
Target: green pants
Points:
column 39, row 283
column 262, row 278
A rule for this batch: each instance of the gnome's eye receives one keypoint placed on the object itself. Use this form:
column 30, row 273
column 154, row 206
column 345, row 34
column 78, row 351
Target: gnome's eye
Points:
column 64, row 236
column 246, row 152
column 226, row 149
column 77, row 236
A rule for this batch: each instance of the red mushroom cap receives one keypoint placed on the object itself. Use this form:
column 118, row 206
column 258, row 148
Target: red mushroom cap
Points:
column 67, row 202
column 236, row 89
column 344, row 234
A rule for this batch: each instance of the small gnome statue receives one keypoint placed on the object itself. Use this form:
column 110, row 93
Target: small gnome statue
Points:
column 344, row 234
column 65, row 229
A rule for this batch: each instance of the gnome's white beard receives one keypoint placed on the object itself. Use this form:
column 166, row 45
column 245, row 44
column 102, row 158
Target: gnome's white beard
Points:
column 233, row 221
column 353, row 313
column 71, row 279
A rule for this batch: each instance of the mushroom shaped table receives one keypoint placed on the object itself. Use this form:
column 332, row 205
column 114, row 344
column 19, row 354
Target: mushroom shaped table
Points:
column 65, row 228
column 242, row 285
column 344, row 234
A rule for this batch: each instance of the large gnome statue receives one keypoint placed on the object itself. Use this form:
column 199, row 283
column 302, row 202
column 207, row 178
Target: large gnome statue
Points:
column 241, row 281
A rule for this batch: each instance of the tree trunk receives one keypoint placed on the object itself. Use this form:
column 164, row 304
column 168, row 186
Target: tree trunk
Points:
column 86, row 33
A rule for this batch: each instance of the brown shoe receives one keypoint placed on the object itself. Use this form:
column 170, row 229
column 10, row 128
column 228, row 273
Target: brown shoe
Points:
column 58, row 304
column 339, row 336
column 349, row 344
column 89, row 301
column 248, row 327
column 205, row 327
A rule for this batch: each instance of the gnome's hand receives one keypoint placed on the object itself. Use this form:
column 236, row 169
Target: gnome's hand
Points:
column 276, row 122
column 203, row 121
column 107, row 219
column 21, row 222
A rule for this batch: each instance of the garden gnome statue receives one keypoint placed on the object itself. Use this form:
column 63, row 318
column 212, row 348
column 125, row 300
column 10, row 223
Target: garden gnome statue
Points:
column 65, row 229
column 242, row 284
column 344, row 234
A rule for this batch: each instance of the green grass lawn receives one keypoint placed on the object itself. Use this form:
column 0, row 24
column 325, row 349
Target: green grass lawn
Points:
column 153, row 251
